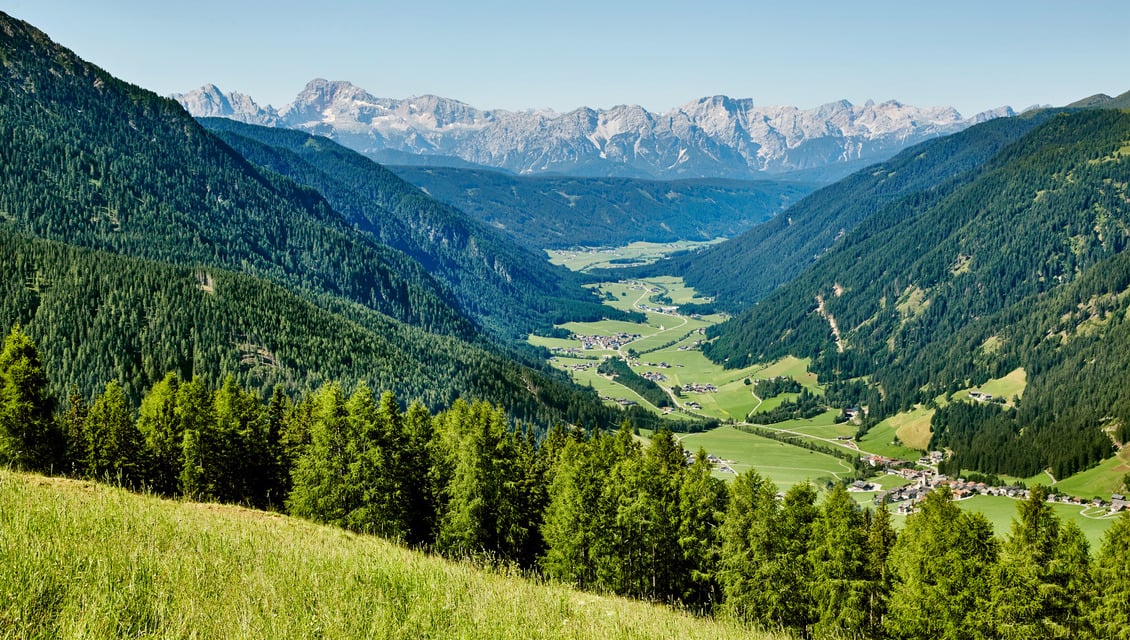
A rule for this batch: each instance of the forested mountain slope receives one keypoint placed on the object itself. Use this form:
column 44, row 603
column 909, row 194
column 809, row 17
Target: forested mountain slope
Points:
column 1016, row 263
column 502, row 285
column 90, row 160
column 161, row 249
column 546, row 212
column 747, row 268
column 98, row 317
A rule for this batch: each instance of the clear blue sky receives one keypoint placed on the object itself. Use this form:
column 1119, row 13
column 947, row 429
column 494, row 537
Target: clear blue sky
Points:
column 973, row 55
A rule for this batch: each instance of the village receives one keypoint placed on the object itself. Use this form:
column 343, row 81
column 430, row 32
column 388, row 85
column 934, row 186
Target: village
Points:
column 925, row 478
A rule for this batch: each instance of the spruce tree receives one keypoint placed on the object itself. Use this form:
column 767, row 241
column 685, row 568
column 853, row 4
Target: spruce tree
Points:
column 29, row 437
column 1110, row 617
column 117, row 448
column 158, row 422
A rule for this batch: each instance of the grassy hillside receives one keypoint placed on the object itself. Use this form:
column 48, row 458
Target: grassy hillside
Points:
column 553, row 212
column 86, row 561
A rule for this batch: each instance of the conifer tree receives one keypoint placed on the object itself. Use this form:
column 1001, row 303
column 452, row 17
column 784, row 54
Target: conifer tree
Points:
column 881, row 540
column 1035, row 593
column 197, row 417
column 942, row 566
column 77, row 441
column 29, row 437
column 117, row 448
column 1110, row 617
column 839, row 563
column 702, row 505
column 322, row 491
column 572, row 519
column 479, row 514
column 417, row 462
column 158, row 423
column 750, row 547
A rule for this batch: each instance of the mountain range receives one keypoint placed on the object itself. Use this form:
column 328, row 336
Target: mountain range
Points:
column 716, row 137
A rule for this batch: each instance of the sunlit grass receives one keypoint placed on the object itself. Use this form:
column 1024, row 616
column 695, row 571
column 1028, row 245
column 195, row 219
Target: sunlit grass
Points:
column 79, row 560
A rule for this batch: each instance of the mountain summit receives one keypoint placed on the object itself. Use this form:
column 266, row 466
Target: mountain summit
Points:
column 715, row 136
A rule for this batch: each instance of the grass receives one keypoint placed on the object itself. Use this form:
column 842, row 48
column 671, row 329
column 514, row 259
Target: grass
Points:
column 880, row 440
column 582, row 258
column 81, row 560
column 1011, row 385
column 1001, row 510
column 784, row 464
column 911, row 427
column 1102, row 480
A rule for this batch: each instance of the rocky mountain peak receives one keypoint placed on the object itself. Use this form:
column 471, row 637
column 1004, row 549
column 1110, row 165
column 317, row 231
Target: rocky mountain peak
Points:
column 714, row 136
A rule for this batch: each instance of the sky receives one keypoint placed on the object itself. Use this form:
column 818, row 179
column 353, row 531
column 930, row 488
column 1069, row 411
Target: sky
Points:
column 534, row 54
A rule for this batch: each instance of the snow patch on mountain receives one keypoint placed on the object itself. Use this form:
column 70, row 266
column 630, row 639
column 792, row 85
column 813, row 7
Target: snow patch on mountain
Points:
column 715, row 136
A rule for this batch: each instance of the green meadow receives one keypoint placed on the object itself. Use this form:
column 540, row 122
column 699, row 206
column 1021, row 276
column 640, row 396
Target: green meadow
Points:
column 785, row 465
column 81, row 560
column 582, row 258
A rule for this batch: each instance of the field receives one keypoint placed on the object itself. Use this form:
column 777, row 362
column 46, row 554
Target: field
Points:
column 785, row 465
column 912, row 429
column 1001, row 510
column 82, row 560
column 1103, row 480
column 582, row 258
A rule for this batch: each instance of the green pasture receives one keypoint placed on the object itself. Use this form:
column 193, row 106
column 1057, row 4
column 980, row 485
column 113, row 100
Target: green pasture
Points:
column 1001, row 511
column 82, row 560
column 880, row 441
column 582, row 258
column 1102, row 480
column 1007, row 387
column 785, row 465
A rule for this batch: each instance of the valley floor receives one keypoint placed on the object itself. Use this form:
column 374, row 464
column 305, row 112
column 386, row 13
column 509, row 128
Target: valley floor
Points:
column 665, row 348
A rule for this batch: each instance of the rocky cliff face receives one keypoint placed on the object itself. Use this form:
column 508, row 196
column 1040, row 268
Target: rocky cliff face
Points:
column 711, row 137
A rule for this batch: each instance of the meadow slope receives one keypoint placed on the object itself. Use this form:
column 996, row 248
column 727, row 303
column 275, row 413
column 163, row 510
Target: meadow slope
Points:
column 83, row 560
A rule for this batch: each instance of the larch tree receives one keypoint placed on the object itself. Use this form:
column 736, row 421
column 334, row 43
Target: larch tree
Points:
column 29, row 437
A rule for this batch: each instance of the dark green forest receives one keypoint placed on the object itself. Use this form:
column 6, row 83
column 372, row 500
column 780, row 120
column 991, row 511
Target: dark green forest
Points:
column 591, row 508
column 1018, row 262
column 548, row 212
column 746, row 269
column 503, row 286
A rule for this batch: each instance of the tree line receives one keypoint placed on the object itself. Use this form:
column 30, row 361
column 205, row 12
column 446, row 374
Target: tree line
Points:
column 591, row 508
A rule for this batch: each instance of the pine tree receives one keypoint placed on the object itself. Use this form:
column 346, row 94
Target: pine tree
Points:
column 29, row 437
column 117, row 448
column 572, row 519
column 1110, row 616
column 321, row 475
column 942, row 566
column 158, row 423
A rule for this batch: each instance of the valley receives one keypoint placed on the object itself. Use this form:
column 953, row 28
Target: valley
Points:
column 665, row 348
column 554, row 359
